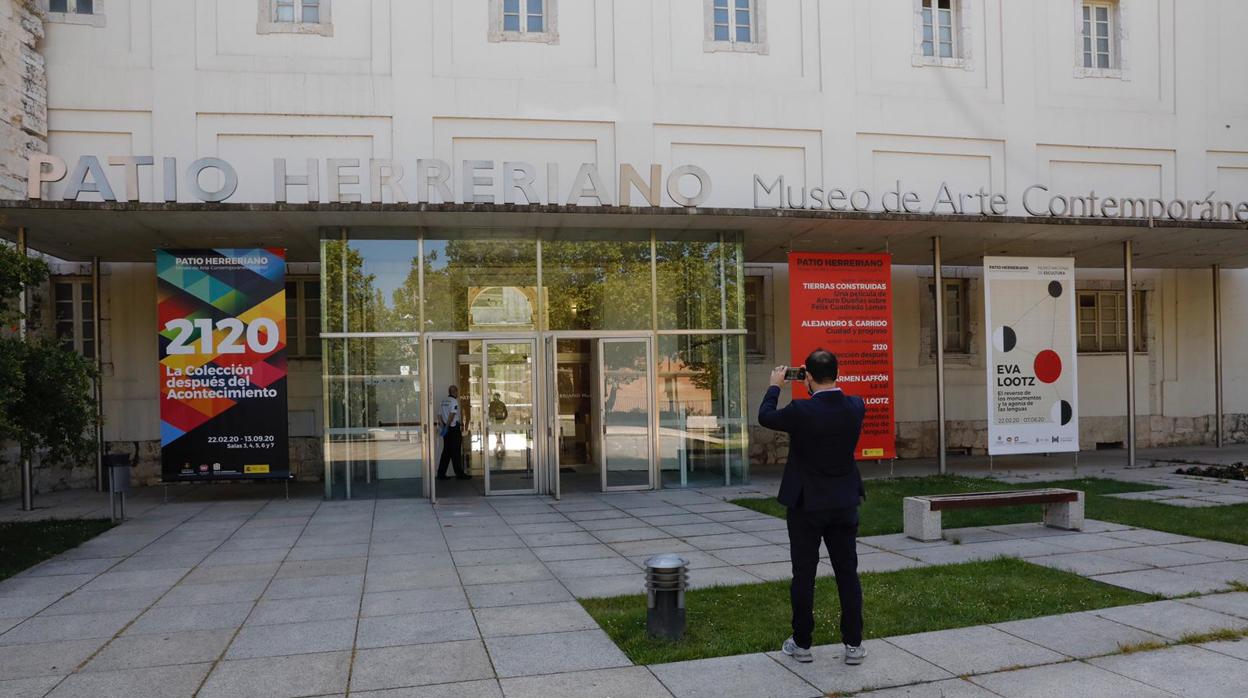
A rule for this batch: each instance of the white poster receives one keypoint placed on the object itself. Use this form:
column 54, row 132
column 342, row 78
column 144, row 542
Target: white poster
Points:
column 1033, row 401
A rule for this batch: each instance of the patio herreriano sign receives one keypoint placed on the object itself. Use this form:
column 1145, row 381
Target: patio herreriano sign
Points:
column 378, row 180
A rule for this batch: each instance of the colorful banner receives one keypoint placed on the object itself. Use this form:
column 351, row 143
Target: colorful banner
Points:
column 1033, row 400
column 844, row 303
column 222, row 325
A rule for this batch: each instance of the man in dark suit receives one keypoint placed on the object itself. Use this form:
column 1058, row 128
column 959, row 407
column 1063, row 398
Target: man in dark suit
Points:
column 821, row 489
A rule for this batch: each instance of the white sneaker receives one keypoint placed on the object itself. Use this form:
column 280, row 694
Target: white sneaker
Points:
column 800, row 654
column 855, row 655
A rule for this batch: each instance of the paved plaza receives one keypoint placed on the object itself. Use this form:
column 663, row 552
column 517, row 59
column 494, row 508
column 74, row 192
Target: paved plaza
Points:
column 477, row 597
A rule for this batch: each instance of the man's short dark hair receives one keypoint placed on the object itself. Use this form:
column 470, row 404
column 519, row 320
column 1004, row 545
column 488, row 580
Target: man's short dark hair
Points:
column 821, row 366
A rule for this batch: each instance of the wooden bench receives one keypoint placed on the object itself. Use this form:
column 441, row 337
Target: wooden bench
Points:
column 1062, row 508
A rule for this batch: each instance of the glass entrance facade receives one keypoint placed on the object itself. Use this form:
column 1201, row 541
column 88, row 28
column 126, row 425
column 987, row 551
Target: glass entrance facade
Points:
column 585, row 359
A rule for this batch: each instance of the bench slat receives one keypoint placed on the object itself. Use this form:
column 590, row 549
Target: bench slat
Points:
column 976, row 500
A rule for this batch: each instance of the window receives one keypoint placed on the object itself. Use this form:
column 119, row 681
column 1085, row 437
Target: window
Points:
column 755, row 308
column 1103, row 321
column 74, row 315
column 523, row 20
column 89, row 12
column 1101, row 39
column 939, row 30
column 303, row 317
column 957, row 316
column 295, row 17
column 735, row 25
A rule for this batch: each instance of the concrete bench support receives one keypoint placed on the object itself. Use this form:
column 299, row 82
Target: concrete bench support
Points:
column 1065, row 515
column 921, row 522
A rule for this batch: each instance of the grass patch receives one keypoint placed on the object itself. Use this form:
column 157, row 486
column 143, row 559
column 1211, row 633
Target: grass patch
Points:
column 27, row 543
column 755, row 617
column 881, row 513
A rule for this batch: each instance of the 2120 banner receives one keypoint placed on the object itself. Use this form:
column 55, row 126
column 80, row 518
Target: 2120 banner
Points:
column 222, row 325
column 844, row 303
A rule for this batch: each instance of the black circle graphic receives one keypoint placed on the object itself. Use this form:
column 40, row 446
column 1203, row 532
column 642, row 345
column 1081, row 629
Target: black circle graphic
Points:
column 1067, row 413
column 1008, row 338
column 1055, row 289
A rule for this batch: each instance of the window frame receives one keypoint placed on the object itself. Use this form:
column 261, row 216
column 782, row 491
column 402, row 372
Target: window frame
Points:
column 267, row 22
column 758, row 29
column 963, row 344
column 961, row 34
column 1139, row 310
column 79, row 336
column 550, row 24
column 1118, row 40
column 299, row 343
column 761, row 334
column 95, row 18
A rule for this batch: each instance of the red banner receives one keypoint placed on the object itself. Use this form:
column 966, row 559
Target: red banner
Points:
column 844, row 303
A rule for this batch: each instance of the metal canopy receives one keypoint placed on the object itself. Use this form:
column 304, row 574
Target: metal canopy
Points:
column 129, row 232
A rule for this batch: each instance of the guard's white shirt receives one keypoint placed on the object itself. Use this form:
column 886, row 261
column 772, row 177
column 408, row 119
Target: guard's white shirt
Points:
column 448, row 411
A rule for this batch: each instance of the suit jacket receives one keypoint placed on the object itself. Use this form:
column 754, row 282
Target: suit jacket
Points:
column 821, row 472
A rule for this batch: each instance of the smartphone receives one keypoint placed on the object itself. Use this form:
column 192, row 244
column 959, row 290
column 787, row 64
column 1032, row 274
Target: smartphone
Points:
column 795, row 373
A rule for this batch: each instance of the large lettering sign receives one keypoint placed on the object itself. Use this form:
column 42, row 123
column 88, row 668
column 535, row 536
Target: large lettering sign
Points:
column 222, row 325
column 844, row 303
column 1033, row 401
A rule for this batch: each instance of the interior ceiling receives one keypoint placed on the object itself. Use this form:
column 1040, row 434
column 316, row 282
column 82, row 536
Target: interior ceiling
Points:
column 119, row 232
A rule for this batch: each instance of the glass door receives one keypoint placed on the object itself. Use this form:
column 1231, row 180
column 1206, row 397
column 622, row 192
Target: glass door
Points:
column 506, row 415
column 627, row 446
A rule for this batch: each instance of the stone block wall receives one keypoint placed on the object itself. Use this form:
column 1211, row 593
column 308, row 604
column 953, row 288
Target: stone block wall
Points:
column 23, row 93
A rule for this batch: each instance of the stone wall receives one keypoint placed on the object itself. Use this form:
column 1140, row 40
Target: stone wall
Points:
column 918, row 439
column 23, row 93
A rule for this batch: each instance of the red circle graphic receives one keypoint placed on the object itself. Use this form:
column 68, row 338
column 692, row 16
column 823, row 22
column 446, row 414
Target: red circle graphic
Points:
column 1048, row 366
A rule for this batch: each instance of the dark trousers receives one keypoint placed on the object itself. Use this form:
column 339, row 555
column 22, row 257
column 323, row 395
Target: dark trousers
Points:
column 452, row 451
column 838, row 528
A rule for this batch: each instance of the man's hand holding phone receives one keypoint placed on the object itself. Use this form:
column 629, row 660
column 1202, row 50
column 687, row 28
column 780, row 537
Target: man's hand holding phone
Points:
column 780, row 374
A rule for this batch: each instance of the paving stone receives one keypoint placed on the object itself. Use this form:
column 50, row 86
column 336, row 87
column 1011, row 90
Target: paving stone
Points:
column 1087, row 563
column 467, row 558
column 292, row 638
column 651, row 511
column 697, row 529
column 1234, row 604
column 742, row 676
column 145, row 562
column 949, row 688
column 322, row 568
column 711, row 507
column 1066, row 679
column 899, row 542
column 416, row 628
column 231, row 573
column 1223, row 572
column 1188, row 503
column 885, row 562
column 630, row 682
column 1145, row 536
column 571, row 569
column 1183, row 670
column 974, row 534
column 975, row 650
column 513, row 594
column 86, row 602
column 327, row 552
column 755, row 555
column 413, row 579
column 244, row 557
column 677, row 520
column 537, row 540
column 650, row 548
column 1078, row 635
column 1235, row 648
column 276, row 611
column 25, row 688
column 1089, row 542
column 493, row 574
column 1163, row 582
column 172, row 619
column 280, row 677
column 78, row 626
column 223, row 592
column 48, row 659
column 953, row 554
column 22, row 607
column 533, row 619
column 1214, row 549
column 390, row 603
column 886, row 665
column 134, row 651
column 625, row 535
column 57, row 566
column 574, row 552
column 602, row 587
column 153, row 682
column 483, row 542
column 1157, row 556
column 563, row 526
column 420, row 562
column 725, row 540
column 415, row 665
column 767, row 524
column 487, row 688
column 1171, row 619
column 611, row 524
column 40, row 586
column 549, row 653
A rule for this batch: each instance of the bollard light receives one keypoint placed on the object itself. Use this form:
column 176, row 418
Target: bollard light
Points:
column 666, row 580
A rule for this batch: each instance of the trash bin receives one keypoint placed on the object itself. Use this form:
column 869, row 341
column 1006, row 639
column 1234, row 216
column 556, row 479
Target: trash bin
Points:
column 118, row 467
column 666, row 580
